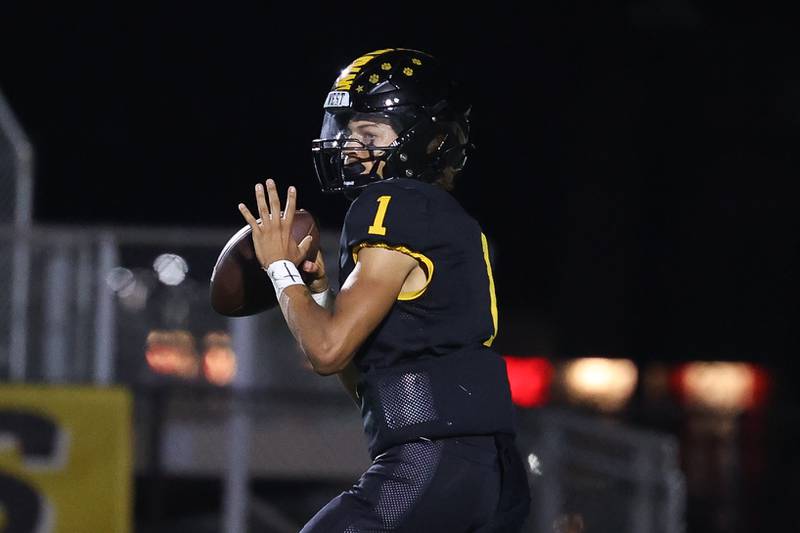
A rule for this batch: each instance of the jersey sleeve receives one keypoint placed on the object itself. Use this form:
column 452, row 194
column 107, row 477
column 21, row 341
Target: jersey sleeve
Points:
column 391, row 216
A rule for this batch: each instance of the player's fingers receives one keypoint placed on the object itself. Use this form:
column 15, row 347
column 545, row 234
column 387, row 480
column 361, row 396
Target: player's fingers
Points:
column 310, row 267
column 262, row 203
column 248, row 217
column 274, row 203
column 288, row 213
column 305, row 244
column 320, row 263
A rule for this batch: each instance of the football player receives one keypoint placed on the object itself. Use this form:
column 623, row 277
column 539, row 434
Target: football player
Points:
column 411, row 329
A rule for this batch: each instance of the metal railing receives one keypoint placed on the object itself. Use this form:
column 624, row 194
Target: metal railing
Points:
column 86, row 298
column 16, row 191
column 16, row 170
column 601, row 474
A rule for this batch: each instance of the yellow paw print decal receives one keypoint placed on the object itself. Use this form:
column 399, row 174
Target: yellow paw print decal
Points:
column 386, row 66
column 408, row 71
column 416, row 61
column 374, row 78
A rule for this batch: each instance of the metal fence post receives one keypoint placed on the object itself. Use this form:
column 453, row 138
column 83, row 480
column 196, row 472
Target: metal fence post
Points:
column 20, row 287
column 237, row 473
column 56, row 310
column 105, row 317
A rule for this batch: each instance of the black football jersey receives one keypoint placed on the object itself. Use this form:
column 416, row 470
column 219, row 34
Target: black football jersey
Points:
column 457, row 307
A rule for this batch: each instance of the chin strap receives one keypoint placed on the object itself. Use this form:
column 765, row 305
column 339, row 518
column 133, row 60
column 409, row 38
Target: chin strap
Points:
column 356, row 170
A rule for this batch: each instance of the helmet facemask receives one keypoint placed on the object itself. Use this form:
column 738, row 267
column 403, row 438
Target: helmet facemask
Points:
column 346, row 156
column 353, row 149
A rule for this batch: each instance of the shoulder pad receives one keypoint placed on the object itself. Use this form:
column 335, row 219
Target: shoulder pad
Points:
column 391, row 213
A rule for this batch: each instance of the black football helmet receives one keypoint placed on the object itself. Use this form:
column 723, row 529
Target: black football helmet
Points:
column 407, row 90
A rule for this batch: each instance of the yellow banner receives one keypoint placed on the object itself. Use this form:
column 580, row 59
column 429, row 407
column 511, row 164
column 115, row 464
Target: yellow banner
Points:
column 65, row 459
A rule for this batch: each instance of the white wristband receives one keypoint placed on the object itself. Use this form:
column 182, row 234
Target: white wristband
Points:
column 283, row 274
column 324, row 298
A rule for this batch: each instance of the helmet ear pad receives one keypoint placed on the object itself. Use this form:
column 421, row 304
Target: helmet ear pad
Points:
column 426, row 149
column 411, row 158
column 454, row 148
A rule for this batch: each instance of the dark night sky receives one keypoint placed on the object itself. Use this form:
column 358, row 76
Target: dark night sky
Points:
column 634, row 161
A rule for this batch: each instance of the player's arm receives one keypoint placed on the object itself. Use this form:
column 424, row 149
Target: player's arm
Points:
column 330, row 338
column 317, row 282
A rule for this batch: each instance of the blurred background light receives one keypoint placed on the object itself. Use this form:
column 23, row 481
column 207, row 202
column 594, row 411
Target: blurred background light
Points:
column 172, row 353
column 728, row 387
column 130, row 287
column 529, row 378
column 120, row 280
column 605, row 383
column 219, row 359
column 170, row 268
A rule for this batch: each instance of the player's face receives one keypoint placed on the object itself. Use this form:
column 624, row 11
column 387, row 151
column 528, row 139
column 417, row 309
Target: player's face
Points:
column 363, row 136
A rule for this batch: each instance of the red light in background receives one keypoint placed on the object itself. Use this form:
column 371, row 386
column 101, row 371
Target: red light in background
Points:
column 530, row 379
column 761, row 386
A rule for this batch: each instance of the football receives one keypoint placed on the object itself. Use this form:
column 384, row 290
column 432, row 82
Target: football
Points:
column 239, row 286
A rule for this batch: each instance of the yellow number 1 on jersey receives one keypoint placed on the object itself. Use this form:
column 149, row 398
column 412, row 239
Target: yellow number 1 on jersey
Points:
column 377, row 227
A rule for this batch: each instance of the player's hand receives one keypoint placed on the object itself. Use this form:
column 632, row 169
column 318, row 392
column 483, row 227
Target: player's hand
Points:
column 272, row 235
column 313, row 273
